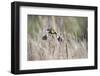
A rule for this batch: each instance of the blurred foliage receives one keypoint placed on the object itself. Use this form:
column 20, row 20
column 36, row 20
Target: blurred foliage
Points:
column 33, row 25
column 76, row 26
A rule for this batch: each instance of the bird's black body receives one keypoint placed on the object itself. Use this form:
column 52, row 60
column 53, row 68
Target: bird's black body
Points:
column 44, row 37
column 59, row 39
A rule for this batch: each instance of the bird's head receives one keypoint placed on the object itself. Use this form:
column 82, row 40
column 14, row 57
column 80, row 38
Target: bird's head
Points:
column 51, row 31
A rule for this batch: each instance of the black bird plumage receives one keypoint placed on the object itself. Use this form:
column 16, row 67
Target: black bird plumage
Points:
column 59, row 38
column 44, row 37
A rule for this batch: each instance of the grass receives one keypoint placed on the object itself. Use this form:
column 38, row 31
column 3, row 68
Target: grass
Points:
column 72, row 30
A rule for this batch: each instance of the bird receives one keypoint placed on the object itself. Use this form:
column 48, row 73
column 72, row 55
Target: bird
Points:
column 59, row 39
column 51, row 31
column 44, row 37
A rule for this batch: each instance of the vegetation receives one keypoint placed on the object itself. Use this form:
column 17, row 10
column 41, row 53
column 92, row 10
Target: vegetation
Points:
column 57, row 37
